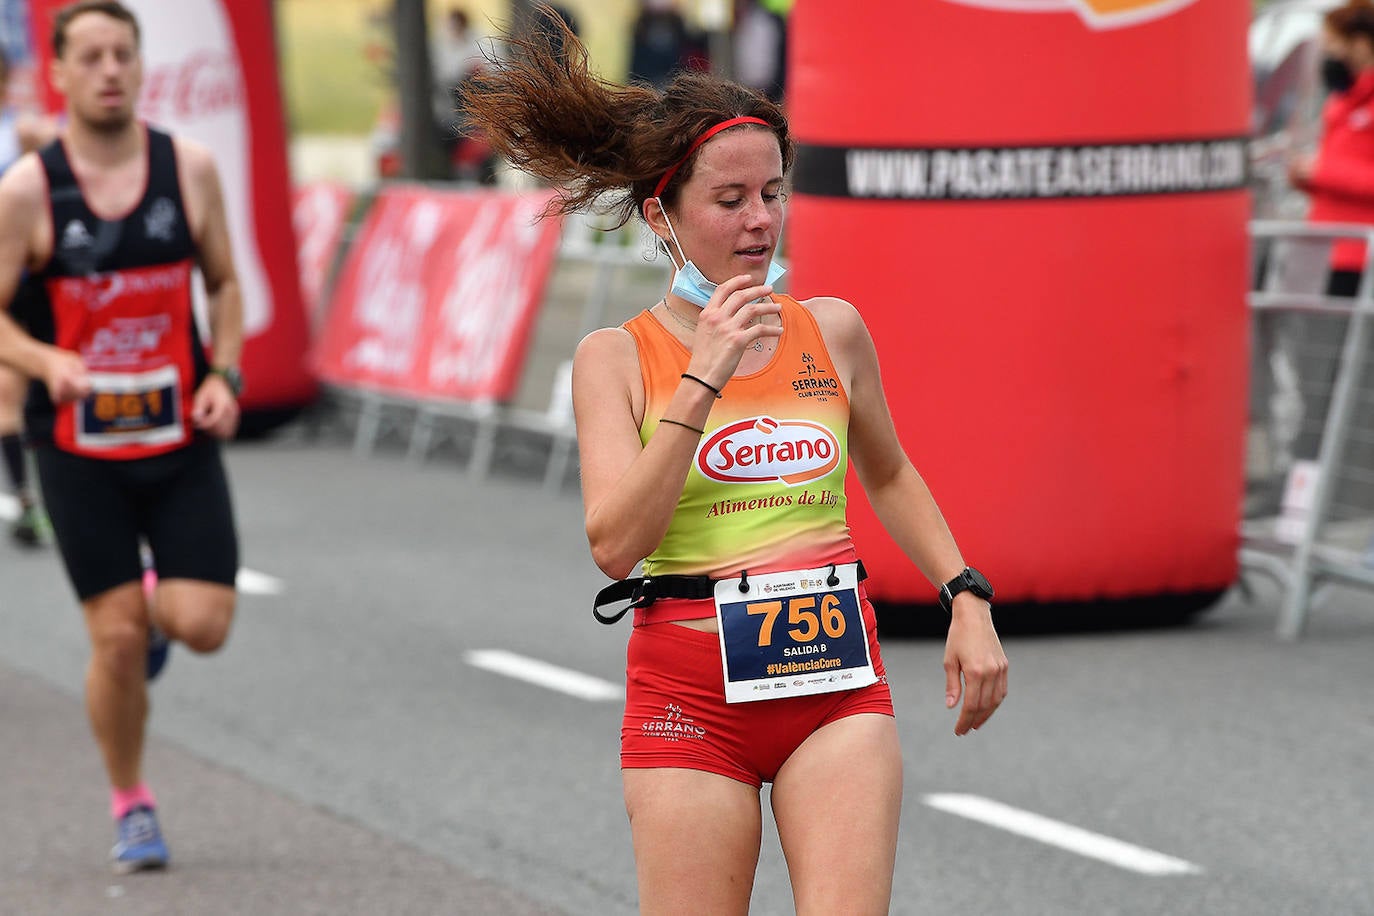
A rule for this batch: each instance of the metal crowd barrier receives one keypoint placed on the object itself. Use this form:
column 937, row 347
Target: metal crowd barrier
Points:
column 1309, row 507
column 603, row 258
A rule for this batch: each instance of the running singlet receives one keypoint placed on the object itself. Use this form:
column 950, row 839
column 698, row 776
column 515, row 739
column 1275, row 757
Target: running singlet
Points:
column 119, row 293
column 766, row 488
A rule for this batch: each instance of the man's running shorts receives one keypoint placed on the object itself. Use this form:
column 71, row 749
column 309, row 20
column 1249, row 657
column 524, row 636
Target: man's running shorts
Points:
column 178, row 501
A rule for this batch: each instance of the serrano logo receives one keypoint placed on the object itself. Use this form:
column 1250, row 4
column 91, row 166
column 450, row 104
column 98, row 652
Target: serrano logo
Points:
column 759, row 449
column 1096, row 14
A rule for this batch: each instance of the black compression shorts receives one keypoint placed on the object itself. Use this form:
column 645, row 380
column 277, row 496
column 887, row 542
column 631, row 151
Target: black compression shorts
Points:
column 179, row 502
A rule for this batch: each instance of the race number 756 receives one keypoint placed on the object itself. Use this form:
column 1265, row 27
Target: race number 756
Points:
column 807, row 620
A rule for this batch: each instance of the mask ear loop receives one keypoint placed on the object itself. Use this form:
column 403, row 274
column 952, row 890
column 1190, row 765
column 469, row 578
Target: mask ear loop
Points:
column 663, row 244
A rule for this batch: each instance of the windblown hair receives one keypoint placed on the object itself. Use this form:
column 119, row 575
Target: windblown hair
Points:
column 1354, row 18
column 598, row 142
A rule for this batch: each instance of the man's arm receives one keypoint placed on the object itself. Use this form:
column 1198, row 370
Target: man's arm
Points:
column 19, row 203
column 216, row 408
column 210, row 232
column 23, row 214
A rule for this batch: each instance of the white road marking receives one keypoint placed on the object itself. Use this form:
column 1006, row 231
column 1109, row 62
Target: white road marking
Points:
column 1065, row 836
column 248, row 581
column 252, row 582
column 564, row 680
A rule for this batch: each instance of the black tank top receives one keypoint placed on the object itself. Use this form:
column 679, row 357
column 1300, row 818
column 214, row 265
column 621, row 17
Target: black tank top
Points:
column 118, row 291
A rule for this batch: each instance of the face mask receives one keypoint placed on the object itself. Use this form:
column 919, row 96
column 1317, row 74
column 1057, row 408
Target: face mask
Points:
column 690, row 283
column 1336, row 75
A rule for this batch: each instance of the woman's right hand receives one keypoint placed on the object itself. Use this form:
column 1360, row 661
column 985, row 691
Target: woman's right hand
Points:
column 729, row 323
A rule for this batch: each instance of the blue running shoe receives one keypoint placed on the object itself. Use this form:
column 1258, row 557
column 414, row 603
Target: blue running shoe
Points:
column 140, row 844
column 159, row 647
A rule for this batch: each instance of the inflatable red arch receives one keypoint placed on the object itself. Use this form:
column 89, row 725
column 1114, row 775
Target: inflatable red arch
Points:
column 1039, row 206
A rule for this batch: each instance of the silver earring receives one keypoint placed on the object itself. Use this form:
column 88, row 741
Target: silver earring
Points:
column 649, row 244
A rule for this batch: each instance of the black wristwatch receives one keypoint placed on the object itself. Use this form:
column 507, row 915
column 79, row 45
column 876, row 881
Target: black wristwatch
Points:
column 232, row 377
column 968, row 580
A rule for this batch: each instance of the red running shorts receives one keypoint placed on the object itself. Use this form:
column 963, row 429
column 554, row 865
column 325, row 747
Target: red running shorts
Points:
column 676, row 714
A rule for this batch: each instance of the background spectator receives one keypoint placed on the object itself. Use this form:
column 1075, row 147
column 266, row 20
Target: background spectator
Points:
column 659, row 43
column 760, row 49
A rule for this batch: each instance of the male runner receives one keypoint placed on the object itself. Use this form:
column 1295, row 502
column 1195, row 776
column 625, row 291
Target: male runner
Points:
column 109, row 221
column 20, row 132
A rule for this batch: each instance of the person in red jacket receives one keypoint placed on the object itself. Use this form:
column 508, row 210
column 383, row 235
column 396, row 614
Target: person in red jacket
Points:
column 1339, row 178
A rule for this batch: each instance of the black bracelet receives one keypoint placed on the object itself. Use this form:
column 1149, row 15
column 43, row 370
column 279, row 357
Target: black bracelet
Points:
column 707, row 384
column 699, row 432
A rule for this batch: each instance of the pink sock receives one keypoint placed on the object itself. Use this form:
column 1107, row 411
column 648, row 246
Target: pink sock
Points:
column 122, row 801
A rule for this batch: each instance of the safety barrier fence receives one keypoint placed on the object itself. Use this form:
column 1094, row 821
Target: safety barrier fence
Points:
column 390, row 378
column 1309, row 510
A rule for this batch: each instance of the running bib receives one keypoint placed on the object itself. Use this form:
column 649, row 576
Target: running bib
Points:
column 131, row 408
column 792, row 633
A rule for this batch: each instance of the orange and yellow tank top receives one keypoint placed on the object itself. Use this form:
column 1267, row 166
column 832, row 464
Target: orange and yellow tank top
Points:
column 766, row 488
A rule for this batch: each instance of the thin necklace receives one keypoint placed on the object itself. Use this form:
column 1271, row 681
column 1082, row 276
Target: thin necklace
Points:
column 689, row 325
column 692, row 325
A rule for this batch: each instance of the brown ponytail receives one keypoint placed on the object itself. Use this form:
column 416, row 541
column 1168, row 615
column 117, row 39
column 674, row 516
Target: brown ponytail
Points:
column 549, row 115
column 1354, row 18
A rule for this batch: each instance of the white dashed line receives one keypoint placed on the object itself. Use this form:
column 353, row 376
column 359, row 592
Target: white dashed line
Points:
column 9, row 508
column 533, row 671
column 252, row 582
column 1065, row 836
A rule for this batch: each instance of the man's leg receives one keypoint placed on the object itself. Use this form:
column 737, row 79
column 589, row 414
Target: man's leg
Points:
column 195, row 552
column 117, row 704
column 30, row 528
column 116, row 694
column 94, row 519
column 194, row 613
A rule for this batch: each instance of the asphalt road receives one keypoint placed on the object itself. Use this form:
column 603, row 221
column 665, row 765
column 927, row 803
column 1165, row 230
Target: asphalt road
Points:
column 344, row 753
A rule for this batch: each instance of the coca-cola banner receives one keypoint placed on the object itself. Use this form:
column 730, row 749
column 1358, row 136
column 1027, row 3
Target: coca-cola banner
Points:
column 210, row 74
column 439, row 294
column 319, row 211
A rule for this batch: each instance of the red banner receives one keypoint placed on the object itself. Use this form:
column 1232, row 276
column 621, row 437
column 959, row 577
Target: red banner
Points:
column 204, row 78
column 439, row 294
column 319, row 211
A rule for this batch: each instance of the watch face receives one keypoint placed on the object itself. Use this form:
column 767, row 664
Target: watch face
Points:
column 979, row 583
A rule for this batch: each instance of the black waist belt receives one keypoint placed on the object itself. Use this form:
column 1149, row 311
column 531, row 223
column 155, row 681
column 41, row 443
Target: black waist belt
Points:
column 645, row 590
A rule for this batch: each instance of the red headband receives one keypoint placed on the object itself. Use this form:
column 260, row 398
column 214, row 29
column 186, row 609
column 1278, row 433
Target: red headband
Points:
column 668, row 175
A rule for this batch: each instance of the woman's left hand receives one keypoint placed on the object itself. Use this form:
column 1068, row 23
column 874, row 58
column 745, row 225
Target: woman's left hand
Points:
column 975, row 665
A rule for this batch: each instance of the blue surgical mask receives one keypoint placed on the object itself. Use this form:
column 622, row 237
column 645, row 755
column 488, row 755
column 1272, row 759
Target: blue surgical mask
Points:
column 690, row 283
